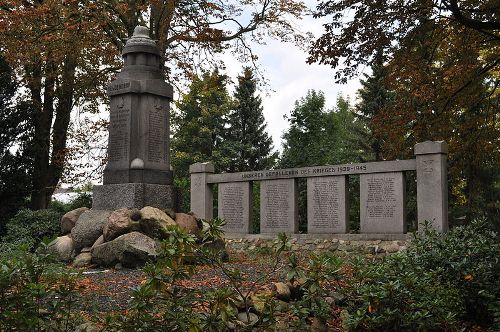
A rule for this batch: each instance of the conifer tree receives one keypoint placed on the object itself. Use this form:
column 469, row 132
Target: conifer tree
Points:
column 247, row 142
column 373, row 97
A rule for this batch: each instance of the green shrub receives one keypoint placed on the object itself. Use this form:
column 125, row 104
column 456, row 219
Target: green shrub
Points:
column 31, row 227
column 36, row 294
column 310, row 300
column 82, row 200
column 466, row 258
column 59, row 207
column 163, row 302
column 441, row 281
column 392, row 295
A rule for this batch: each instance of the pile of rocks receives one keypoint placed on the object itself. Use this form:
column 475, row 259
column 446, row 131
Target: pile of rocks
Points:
column 126, row 237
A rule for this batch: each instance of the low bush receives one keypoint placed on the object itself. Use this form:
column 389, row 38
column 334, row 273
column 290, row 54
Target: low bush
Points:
column 163, row 302
column 392, row 296
column 441, row 282
column 82, row 200
column 311, row 298
column 31, row 227
column 36, row 294
column 59, row 207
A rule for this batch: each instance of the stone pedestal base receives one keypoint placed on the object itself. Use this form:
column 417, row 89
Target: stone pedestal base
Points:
column 133, row 195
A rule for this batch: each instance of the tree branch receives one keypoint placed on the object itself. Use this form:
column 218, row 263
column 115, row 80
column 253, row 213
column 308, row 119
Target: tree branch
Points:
column 481, row 72
column 469, row 22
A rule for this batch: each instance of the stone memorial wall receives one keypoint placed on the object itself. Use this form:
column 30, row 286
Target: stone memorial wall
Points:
column 382, row 195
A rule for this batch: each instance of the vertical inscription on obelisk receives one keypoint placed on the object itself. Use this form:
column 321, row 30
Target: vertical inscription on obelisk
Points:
column 119, row 124
column 157, row 134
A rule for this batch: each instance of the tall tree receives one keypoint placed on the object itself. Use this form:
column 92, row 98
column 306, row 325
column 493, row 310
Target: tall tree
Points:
column 247, row 142
column 304, row 143
column 350, row 135
column 317, row 136
column 65, row 51
column 53, row 48
column 443, row 64
column 15, row 159
column 199, row 123
column 357, row 31
column 374, row 96
column 441, row 96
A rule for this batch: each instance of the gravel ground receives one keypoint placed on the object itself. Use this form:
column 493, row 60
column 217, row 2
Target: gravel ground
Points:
column 105, row 290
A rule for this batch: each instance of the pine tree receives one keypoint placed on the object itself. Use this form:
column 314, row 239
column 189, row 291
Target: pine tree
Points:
column 247, row 142
column 373, row 97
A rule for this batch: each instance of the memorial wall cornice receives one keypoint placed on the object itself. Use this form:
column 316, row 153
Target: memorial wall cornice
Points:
column 314, row 171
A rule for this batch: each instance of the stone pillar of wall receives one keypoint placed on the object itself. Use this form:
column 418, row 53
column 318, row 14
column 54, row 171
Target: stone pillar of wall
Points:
column 201, row 192
column 432, row 184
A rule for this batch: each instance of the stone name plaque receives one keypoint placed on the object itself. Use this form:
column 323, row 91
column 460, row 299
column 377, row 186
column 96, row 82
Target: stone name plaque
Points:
column 327, row 205
column 235, row 206
column 382, row 203
column 278, row 206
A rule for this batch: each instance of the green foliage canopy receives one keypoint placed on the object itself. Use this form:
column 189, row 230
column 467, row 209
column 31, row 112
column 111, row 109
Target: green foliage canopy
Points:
column 199, row 124
column 15, row 146
column 320, row 137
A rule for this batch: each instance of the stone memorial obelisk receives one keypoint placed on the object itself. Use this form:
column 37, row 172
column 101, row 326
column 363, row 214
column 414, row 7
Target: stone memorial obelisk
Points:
column 138, row 172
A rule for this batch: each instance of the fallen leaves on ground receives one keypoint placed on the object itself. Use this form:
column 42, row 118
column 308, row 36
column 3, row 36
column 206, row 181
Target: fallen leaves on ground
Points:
column 110, row 290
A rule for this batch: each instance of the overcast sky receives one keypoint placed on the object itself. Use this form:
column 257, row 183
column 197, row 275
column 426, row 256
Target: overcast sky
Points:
column 289, row 77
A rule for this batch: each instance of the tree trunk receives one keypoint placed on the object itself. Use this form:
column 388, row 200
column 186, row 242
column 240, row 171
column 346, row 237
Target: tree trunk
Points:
column 43, row 120
column 61, row 123
column 49, row 159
